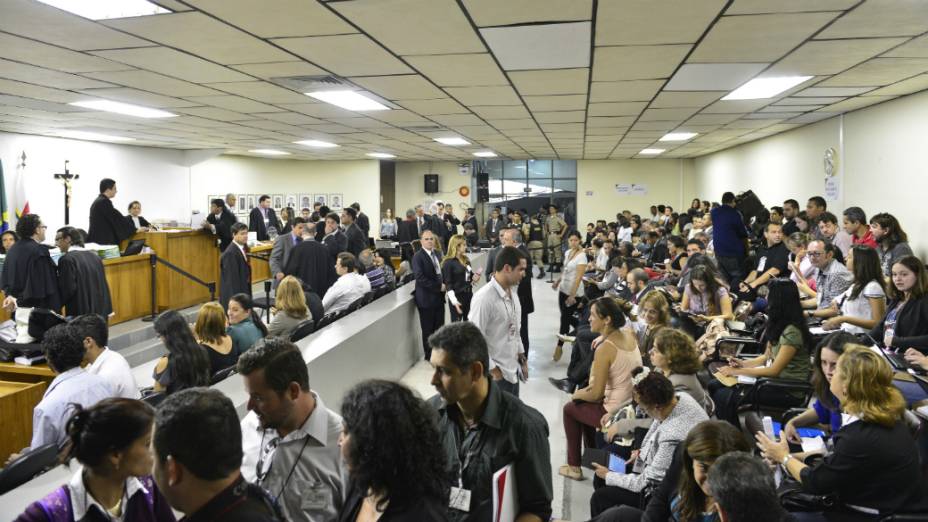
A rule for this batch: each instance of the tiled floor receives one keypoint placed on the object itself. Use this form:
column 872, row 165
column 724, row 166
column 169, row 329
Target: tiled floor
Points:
column 571, row 499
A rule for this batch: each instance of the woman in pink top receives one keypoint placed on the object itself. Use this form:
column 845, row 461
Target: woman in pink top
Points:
column 610, row 381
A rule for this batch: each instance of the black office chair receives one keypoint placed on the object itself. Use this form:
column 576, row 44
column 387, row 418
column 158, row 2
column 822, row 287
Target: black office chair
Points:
column 368, row 298
column 326, row 320
column 356, row 305
column 27, row 466
column 265, row 303
column 302, row 330
column 221, row 375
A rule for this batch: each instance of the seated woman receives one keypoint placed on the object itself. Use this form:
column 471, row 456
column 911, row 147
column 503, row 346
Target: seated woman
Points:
column 210, row 330
column 7, row 240
column 786, row 339
column 905, row 324
column 874, row 468
column 405, row 478
column 705, row 297
column 245, row 326
column 800, row 265
column 290, row 304
column 112, row 442
column 862, row 305
column 136, row 222
column 674, row 414
column 674, row 354
column 892, row 241
column 187, row 364
column 609, row 383
column 683, row 495
column 653, row 316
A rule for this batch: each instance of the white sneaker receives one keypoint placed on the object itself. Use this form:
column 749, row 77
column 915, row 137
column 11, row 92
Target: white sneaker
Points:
column 566, row 338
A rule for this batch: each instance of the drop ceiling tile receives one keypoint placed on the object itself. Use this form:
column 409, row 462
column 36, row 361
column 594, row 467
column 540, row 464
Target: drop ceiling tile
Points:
column 511, row 12
column 138, row 97
column 51, row 57
column 500, row 112
column 215, row 113
column 41, row 105
column 610, row 121
column 558, row 81
column 637, row 90
column 260, row 91
column 757, row 38
column 234, row 103
column 637, row 62
column 454, row 120
column 266, row 71
column 712, row 119
column 430, row 107
column 399, row 117
column 345, row 55
column 37, row 75
column 662, row 126
column 291, row 118
column 322, row 110
column 37, row 92
column 171, row 62
column 853, row 104
column 48, row 24
column 616, row 108
column 201, row 35
column 153, row 82
column 670, row 100
column 833, row 91
column 277, row 18
column 440, row 25
column 572, row 129
column 642, row 22
column 712, row 76
column 879, row 71
column 403, row 87
column 812, row 117
column 881, row 18
column 756, row 123
column 914, row 48
column 787, row 6
column 507, row 125
column 560, row 117
column 546, row 46
column 799, row 109
column 459, row 70
column 736, row 106
column 809, row 100
column 500, row 95
column 570, row 102
column 916, row 84
column 678, row 114
column 823, row 57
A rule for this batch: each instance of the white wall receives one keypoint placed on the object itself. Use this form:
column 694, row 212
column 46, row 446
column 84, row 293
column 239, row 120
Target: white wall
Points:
column 881, row 167
column 662, row 177
column 354, row 180
column 410, row 185
column 156, row 177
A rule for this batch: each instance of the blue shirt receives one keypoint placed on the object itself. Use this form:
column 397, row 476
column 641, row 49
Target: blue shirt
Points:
column 826, row 416
column 52, row 413
column 728, row 232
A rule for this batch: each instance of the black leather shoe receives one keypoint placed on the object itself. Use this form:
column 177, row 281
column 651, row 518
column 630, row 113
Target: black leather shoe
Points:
column 562, row 384
column 541, row 274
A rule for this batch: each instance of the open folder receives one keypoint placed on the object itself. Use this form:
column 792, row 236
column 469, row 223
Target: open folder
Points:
column 505, row 503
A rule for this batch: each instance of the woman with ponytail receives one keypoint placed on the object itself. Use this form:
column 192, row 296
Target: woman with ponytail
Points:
column 111, row 441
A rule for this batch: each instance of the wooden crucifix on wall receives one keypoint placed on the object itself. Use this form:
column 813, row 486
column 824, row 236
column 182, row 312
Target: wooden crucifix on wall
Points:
column 66, row 179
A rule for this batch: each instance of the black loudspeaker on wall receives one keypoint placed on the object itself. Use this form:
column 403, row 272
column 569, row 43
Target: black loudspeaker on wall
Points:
column 483, row 187
column 431, row 183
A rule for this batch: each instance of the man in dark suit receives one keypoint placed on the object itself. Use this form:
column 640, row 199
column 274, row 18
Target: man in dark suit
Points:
column 406, row 230
column 234, row 268
column 429, row 294
column 357, row 239
column 107, row 225
column 364, row 223
column 494, row 225
column 512, row 236
column 284, row 244
column 263, row 217
column 219, row 222
column 334, row 239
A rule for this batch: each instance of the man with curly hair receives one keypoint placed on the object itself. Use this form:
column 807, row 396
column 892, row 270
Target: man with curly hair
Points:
column 289, row 437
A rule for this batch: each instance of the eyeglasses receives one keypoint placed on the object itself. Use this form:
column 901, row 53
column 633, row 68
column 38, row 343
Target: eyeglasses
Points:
column 815, row 254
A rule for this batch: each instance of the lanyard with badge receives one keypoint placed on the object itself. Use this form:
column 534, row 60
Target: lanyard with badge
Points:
column 314, row 498
column 460, row 497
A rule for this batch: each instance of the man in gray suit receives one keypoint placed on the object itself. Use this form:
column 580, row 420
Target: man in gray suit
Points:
column 280, row 254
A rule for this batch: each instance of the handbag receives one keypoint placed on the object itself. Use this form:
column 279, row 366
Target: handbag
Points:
column 794, row 499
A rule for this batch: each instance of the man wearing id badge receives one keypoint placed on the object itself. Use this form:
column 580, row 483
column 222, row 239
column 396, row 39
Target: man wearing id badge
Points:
column 289, row 437
column 484, row 429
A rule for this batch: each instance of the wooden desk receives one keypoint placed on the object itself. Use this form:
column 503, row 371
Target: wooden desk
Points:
column 17, row 400
column 22, row 373
column 193, row 251
column 130, row 286
column 260, row 269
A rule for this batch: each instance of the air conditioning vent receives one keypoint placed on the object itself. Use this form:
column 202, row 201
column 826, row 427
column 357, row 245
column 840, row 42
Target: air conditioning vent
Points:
column 320, row 82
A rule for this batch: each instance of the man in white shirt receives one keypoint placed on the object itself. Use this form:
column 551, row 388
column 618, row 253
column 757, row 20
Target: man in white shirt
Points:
column 495, row 309
column 102, row 361
column 348, row 288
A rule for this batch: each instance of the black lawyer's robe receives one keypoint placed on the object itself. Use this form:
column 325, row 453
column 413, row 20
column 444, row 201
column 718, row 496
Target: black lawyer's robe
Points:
column 256, row 223
column 234, row 274
column 82, row 283
column 30, row 276
column 311, row 263
column 223, row 225
column 107, row 225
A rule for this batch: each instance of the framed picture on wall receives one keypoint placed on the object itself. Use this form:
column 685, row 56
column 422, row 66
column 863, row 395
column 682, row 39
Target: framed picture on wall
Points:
column 321, row 198
column 277, row 201
column 335, row 201
column 291, row 200
column 306, row 201
column 251, row 202
column 242, row 203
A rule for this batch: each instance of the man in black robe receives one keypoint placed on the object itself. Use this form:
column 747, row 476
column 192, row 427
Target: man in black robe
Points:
column 234, row 268
column 107, row 225
column 29, row 279
column 262, row 218
column 335, row 240
column 81, row 279
column 219, row 222
column 310, row 261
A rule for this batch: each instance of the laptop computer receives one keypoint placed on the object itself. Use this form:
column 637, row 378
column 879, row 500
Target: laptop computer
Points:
column 134, row 247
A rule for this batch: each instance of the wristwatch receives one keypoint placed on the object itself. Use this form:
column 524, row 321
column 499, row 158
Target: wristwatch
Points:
column 786, row 459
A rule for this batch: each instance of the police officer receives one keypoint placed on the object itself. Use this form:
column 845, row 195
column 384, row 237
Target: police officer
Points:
column 555, row 228
column 534, row 231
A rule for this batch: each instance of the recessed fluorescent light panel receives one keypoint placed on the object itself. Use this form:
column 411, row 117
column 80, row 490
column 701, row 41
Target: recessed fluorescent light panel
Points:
column 93, row 136
column 270, row 152
column 678, row 136
column 380, row 155
column 123, row 108
column 651, row 152
column 760, row 88
column 107, row 9
column 452, row 141
column 316, row 143
column 349, row 100
column 485, row 154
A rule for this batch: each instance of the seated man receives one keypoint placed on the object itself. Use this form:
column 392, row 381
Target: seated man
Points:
column 348, row 288
column 831, row 277
column 772, row 260
column 832, row 233
column 64, row 350
column 102, row 361
column 197, row 448
column 743, row 489
column 375, row 274
column 856, row 224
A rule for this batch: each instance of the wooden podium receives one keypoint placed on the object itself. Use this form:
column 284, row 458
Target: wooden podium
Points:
column 193, row 251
